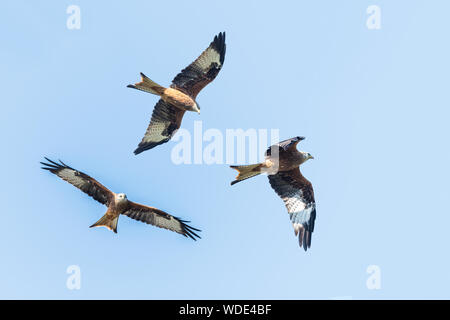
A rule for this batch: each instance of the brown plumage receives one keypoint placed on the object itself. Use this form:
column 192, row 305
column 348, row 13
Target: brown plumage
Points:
column 181, row 95
column 118, row 203
column 282, row 166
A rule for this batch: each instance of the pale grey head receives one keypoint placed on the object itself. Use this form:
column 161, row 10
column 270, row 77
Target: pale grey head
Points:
column 306, row 156
column 121, row 198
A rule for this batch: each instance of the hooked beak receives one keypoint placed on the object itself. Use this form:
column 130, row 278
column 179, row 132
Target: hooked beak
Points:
column 311, row 157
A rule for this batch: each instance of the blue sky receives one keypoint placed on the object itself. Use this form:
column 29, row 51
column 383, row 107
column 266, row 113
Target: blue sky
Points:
column 373, row 105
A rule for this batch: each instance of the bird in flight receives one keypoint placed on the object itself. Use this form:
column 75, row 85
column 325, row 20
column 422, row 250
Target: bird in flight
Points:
column 282, row 163
column 118, row 203
column 181, row 95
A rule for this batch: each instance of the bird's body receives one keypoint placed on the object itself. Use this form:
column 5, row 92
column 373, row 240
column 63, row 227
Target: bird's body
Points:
column 179, row 99
column 116, row 206
column 118, row 203
column 171, row 96
column 282, row 166
column 274, row 164
column 181, row 95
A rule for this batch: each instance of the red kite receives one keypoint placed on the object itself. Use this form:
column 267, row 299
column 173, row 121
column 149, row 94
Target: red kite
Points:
column 282, row 166
column 180, row 96
column 118, row 203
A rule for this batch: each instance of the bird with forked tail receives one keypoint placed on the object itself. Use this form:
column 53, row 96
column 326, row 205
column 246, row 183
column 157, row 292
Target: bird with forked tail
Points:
column 282, row 163
column 181, row 95
column 118, row 203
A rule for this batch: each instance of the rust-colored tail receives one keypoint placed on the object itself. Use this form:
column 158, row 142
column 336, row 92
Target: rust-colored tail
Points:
column 246, row 172
column 107, row 221
column 148, row 85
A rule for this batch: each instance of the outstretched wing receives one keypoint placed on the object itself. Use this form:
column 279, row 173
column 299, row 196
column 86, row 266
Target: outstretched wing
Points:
column 160, row 219
column 202, row 71
column 298, row 196
column 80, row 180
column 166, row 120
column 288, row 145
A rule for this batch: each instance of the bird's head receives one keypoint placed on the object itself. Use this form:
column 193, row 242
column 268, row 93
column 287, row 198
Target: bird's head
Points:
column 306, row 156
column 196, row 108
column 121, row 197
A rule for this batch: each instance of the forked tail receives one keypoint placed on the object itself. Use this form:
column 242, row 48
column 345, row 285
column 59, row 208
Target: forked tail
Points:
column 148, row 85
column 107, row 221
column 246, row 172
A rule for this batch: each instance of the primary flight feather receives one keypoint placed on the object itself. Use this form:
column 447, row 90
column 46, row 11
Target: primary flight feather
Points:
column 118, row 203
column 181, row 95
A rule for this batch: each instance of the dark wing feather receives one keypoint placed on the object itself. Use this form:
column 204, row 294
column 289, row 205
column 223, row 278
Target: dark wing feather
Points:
column 288, row 145
column 166, row 120
column 202, row 71
column 298, row 196
column 80, row 180
column 160, row 219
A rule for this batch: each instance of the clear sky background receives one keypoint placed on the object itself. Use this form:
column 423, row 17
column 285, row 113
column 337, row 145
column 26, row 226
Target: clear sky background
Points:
column 373, row 104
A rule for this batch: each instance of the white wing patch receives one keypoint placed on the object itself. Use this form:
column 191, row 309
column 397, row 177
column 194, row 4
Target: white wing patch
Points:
column 154, row 132
column 296, row 207
column 210, row 56
column 71, row 176
column 294, row 201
